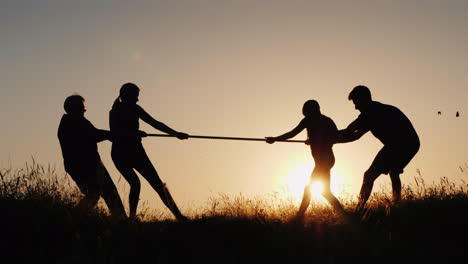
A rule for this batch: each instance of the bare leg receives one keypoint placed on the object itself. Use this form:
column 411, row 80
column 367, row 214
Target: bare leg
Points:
column 124, row 165
column 167, row 199
column 396, row 186
column 331, row 198
column 135, row 186
column 367, row 185
column 305, row 201
column 146, row 168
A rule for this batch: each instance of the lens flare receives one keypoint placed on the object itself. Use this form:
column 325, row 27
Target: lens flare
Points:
column 297, row 180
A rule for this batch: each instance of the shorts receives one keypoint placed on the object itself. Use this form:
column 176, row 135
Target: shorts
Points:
column 133, row 156
column 394, row 158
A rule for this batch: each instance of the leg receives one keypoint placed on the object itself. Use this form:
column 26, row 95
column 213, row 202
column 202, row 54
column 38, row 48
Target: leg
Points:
column 110, row 193
column 89, row 201
column 88, row 188
column 305, row 201
column 147, row 170
column 396, row 186
column 401, row 158
column 368, row 183
column 132, row 178
column 307, row 194
column 330, row 197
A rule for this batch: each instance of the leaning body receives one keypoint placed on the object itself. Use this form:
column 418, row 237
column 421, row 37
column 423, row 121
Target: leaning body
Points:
column 395, row 131
column 78, row 139
column 128, row 153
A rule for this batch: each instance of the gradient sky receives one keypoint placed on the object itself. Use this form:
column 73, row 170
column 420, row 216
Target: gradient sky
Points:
column 236, row 68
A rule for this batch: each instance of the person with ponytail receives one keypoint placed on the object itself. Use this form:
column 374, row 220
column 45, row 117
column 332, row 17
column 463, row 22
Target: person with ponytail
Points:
column 128, row 153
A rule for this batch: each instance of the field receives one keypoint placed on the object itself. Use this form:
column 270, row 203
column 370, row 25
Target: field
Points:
column 40, row 224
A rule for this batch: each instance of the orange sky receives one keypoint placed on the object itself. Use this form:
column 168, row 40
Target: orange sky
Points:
column 236, row 68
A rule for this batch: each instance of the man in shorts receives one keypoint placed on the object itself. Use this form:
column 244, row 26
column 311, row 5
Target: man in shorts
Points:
column 388, row 124
column 78, row 141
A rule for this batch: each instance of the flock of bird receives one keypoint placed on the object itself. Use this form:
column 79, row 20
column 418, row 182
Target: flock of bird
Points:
column 457, row 114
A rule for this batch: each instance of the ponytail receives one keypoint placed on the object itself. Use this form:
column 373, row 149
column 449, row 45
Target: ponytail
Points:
column 116, row 103
column 125, row 90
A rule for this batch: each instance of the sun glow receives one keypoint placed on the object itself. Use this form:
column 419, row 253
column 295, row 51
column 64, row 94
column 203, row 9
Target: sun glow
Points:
column 299, row 177
column 316, row 189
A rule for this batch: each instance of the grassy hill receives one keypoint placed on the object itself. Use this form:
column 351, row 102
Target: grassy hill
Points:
column 40, row 224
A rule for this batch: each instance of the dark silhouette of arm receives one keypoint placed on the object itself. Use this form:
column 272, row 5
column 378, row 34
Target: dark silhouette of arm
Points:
column 353, row 132
column 102, row 135
column 298, row 129
column 98, row 134
column 159, row 125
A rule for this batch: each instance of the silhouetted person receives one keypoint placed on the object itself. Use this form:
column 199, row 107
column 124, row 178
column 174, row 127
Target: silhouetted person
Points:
column 393, row 129
column 321, row 133
column 78, row 141
column 128, row 153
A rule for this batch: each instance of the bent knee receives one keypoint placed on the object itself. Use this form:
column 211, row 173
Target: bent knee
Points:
column 135, row 183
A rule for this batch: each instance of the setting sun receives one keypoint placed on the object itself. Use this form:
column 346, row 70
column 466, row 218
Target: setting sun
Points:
column 298, row 179
column 316, row 189
column 299, row 176
column 234, row 131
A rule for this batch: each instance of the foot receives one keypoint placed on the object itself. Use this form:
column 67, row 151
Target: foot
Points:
column 133, row 218
column 118, row 217
column 182, row 219
column 297, row 219
column 396, row 202
column 358, row 210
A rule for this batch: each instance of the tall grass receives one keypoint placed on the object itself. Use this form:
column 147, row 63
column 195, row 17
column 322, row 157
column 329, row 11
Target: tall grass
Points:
column 42, row 224
column 36, row 182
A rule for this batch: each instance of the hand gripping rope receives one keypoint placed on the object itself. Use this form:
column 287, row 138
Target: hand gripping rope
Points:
column 227, row 138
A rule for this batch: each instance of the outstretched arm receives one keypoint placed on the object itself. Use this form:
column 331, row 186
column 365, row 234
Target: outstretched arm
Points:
column 102, row 135
column 353, row 132
column 159, row 125
column 298, row 129
column 98, row 134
